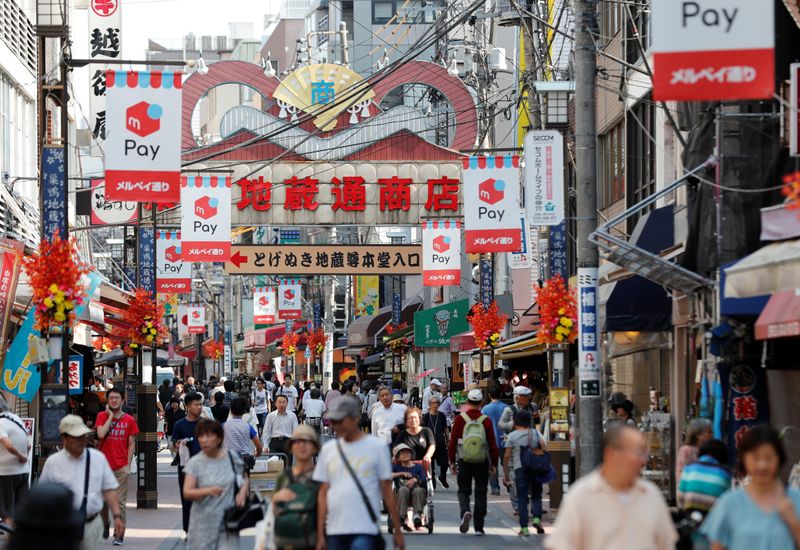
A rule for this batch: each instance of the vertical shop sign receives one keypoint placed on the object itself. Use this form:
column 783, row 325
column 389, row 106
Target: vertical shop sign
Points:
column 290, row 299
column 264, row 305
column 106, row 212
column 11, row 255
column 173, row 274
column 75, row 373
column 524, row 258
column 142, row 151
column 746, row 384
column 486, row 282
column 366, row 295
column 206, row 218
column 588, row 348
column 54, row 193
column 544, row 177
column 147, row 264
column 317, row 315
column 557, row 251
column 196, row 321
column 397, row 304
column 491, row 204
column 441, row 253
column 105, row 23
column 183, row 321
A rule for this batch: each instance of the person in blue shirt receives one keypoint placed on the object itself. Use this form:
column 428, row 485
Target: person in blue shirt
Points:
column 183, row 435
column 704, row 481
column 494, row 411
column 763, row 515
column 409, row 485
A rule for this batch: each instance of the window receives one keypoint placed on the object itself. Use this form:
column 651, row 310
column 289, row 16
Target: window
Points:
column 557, row 107
column 382, row 11
column 611, row 165
column 641, row 153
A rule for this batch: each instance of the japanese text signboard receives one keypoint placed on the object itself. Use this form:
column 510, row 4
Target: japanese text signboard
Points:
column 11, row 255
column 54, row 193
column 143, row 154
column 264, row 305
column 206, row 220
column 588, row 348
column 434, row 327
column 745, row 384
column 196, row 319
column 147, row 260
column 524, row 258
column 544, row 177
column 486, row 286
column 325, row 260
column 491, row 204
column 75, row 373
column 106, row 212
column 441, row 259
column 173, row 274
column 105, row 22
column 290, row 299
column 557, row 251
column 708, row 50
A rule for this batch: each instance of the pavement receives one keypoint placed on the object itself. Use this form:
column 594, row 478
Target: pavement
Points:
column 161, row 529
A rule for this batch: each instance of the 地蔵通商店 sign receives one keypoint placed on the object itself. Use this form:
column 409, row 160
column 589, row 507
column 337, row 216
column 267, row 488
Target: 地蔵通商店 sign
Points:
column 206, row 218
column 491, row 204
column 143, row 148
column 710, row 50
column 264, row 305
column 173, row 275
column 290, row 299
column 544, row 177
column 325, row 260
column 434, row 327
column 196, row 319
column 441, row 256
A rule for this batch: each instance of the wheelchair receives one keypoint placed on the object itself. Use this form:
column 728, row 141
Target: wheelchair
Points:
column 427, row 510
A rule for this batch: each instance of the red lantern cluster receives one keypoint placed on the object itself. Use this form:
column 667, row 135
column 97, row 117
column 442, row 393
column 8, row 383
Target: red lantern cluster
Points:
column 558, row 311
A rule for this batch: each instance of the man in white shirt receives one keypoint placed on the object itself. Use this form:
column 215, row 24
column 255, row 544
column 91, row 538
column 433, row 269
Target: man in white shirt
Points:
column 314, row 407
column 290, row 392
column 279, row 427
column 261, row 400
column 429, row 392
column 387, row 416
column 14, row 465
column 68, row 467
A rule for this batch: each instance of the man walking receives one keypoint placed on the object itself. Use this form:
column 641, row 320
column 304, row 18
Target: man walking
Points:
column 183, row 438
column 387, row 416
column 354, row 469
column 279, row 427
column 288, row 391
column 261, row 401
column 494, row 411
column 523, row 397
column 613, row 507
column 116, row 433
column 472, row 453
column 430, row 391
column 87, row 474
column 14, row 465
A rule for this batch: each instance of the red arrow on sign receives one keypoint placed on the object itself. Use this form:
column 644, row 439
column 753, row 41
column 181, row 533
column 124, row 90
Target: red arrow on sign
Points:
column 238, row 259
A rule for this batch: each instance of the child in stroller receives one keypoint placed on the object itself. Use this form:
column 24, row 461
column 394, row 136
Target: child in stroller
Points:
column 410, row 486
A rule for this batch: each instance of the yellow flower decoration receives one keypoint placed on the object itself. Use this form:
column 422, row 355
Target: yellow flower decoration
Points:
column 562, row 311
column 60, row 317
column 567, row 322
column 48, row 302
column 69, row 305
column 54, row 288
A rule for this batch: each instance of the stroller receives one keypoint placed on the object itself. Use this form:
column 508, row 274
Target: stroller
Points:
column 427, row 511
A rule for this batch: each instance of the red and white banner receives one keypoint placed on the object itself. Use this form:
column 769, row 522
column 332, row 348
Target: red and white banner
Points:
column 106, row 212
column 196, row 319
column 441, row 253
column 206, row 218
column 264, row 305
column 105, row 24
column 183, row 320
column 11, row 252
column 143, row 146
column 713, row 50
column 173, row 275
column 290, row 302
column 491, row 204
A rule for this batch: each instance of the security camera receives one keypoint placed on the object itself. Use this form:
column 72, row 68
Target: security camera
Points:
column 6, row 178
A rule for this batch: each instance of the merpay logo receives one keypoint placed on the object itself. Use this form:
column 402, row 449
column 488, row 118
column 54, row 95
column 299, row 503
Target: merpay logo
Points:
column 288, row 294
column 263, row 301
column 441, row 244
column 143, row 118
column 196, row 314
column 491, row 191
column 173, row 254
column 206, row 207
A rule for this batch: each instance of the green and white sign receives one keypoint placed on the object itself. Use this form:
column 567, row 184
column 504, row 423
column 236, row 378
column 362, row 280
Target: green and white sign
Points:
column 434, row 327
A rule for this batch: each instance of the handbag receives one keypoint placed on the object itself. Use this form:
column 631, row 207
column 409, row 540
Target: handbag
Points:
column 372, row 515
column 248, row 515
column 536, row 463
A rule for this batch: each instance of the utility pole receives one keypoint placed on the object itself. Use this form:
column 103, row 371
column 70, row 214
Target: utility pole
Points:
column 590, row 411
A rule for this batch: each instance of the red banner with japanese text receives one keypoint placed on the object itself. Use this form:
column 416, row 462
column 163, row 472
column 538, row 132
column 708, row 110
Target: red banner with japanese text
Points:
column 11, row 253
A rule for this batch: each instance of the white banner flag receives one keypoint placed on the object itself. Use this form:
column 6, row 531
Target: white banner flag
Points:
column 197, row 319
column 290, row 303
column 491, row 204
column 441, row 253
column 173, row 275
column 206, row 218
column 544, row 177
column 106, row 212
column 105, row 23
column 264, row 305
column 143, row 146
column 183, row 320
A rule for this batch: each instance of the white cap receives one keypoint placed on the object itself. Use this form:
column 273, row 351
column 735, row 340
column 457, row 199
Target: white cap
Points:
column 476, row 396
column 522, row 390
column 73, row 425
column 435, row 382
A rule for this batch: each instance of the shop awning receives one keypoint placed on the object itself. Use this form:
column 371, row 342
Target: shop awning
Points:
column 636, row 303
column 771, row 269
column 365, row 331
column 781, row 316
column 739, row 306
column 521, row 346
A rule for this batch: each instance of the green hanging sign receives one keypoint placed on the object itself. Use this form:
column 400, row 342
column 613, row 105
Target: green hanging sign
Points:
column 434, row 327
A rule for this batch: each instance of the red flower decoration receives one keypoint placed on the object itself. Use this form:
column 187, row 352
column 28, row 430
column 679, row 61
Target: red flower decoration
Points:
column 316, row 341
column 791, row 190
column 558, row 311
column 487, row 324
column 145, row 317
column 289, row 344
column 214, row 350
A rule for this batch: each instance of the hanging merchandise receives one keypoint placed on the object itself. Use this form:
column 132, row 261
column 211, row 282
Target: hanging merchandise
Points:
column 441, row 253
column 206, row 218
column 196, row 321
column 290, row 299
column 491, row 204
column 264, row 305
column 143, row 147
column 173, row 275
column 544, row 177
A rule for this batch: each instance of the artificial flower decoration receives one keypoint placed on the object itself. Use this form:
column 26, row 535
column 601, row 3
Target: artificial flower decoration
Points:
column 791, row 190
column 289, row 346
column 487, row 324
column 558, row 311
column 145, row 319
column 316, row 341
column 214, row 350
column 55, row 275
column 104, row 344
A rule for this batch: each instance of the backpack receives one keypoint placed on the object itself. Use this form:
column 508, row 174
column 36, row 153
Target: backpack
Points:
column 296, row 521
column 474, row 446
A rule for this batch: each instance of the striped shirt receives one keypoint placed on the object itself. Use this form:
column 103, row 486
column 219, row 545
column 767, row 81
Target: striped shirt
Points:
column 702, row 483
column 238, row 436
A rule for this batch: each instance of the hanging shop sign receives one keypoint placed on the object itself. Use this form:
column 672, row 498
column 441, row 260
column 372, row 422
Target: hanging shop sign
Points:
column 544, row 177
column 588, row 349
column 557, row 251
column 491, row 204
column 710, row 50
column 441, row 257
column 397, row 303
column 317, row 315
column 366, row 295
column 75, row 374
column 486, row 286
column 106, row 212
column 746, row 385
column 196, row 319
column 173, row 274
column 183, row 321
column 105, row 23
column 290, row 299
column 434, row 327
column 206, row 219
column 264, row 305
column 11, row 255
column 54, row 193
column 147, row 260
column 325, row 260
column 142, row 151
column 525, row 257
